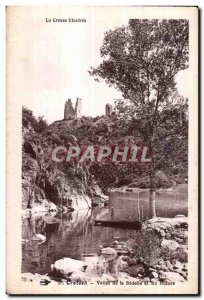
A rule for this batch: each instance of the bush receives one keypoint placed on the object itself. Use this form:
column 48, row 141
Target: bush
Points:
column 179, row 255
column 145, row 246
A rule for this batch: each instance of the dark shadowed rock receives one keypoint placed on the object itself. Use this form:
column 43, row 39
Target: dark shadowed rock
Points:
column 135, row 270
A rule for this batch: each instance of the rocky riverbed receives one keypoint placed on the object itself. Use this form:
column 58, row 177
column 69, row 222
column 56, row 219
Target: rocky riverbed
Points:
column 159, row 253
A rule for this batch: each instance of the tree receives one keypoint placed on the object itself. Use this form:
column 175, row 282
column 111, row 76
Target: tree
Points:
column 141, row 61
column 28, row 120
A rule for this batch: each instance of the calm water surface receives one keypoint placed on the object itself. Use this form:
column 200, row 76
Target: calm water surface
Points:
column 77, row 237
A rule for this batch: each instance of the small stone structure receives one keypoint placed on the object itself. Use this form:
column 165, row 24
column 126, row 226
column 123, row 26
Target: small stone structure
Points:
column 78, row 108
column 71, row 113
column 109, row 110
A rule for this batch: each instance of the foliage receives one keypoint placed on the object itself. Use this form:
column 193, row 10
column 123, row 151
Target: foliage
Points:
column 178, row 255
column 42, row 176
column 141, row 61
column 28, row 120
column 106, row 131
column 109, row 131
column 146, row 246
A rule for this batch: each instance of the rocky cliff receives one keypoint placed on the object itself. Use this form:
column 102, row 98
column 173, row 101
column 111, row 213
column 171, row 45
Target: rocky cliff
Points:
column 45, row 181
column 72, row 183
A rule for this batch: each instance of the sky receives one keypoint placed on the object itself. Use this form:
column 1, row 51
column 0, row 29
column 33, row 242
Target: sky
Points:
column 55, row 58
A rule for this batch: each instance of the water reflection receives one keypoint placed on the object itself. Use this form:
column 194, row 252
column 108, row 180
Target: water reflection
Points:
column 74, row 237
column 135, row 205
column 74, row 234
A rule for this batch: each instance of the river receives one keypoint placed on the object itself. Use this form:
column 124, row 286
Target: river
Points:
column 77, row 237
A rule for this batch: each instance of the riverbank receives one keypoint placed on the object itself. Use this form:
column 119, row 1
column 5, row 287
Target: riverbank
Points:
column 159, row 253
column 182, row 188
column 48, row 207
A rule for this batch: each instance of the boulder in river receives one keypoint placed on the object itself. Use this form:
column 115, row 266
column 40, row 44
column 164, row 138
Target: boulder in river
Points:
column 169, row 265
column 179, row 216
column 135, row 270
column 165, row 223
column 155, row 274
column 172, row 277
column 67, row 266
column 171, row 245
column 108, row 251
column 176, row 264
column 39, row 238
column 29, row 277
column 51, row 220
column 78, row 276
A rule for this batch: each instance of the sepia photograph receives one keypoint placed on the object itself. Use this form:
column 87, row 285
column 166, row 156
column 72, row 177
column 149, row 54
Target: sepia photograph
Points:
column 102, row 106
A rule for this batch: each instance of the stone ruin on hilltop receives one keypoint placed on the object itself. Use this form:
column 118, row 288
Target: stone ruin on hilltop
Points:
column 71, row 113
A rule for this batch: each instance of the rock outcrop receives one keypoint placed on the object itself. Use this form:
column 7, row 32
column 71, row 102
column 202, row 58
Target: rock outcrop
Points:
column 67, row 266
column 45, row 181
column 170, row 256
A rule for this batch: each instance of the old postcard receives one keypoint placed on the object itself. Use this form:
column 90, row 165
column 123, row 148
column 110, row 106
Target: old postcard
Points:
column 102, row 150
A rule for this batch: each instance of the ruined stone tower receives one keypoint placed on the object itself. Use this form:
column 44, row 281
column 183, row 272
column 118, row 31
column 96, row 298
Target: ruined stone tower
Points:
column 109, row 110
column 78, row 108
column 71, row 113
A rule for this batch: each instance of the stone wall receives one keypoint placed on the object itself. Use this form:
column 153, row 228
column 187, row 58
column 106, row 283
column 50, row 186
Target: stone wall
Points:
column 69, row 112
column 78, row 108
column 109, row 110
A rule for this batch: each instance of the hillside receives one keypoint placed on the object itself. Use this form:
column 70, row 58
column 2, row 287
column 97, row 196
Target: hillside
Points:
column 72, row 182
column 45, row 181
